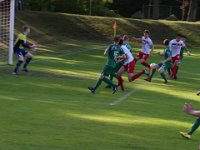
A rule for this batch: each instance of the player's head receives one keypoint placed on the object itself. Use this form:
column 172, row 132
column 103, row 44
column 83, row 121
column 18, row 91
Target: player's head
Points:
column 125, row 38
column 117, row 39
column 166, row 42
column 146, row 33
column 26, row 30
column 178, row 37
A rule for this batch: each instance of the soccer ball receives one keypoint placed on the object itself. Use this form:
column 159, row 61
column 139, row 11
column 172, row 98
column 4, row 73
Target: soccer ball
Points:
column 153, row 65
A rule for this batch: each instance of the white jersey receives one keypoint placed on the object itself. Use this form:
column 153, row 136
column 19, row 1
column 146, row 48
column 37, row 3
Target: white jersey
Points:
column 128, row 53
column 146, row 45
column 175, row 47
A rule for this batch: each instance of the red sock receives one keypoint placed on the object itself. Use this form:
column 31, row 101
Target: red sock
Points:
column 145, row 64
column 174, row 70
column 137, row 75
column 120, row 82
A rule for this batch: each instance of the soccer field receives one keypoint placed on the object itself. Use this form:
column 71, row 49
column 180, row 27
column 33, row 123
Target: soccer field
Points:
column 50, row 108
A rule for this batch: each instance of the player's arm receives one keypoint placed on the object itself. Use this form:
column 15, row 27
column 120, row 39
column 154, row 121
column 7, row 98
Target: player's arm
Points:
column 137, row 39
column 24, row 44
column 106, row 51
column 122, row 58
column 187, row 108
column 152, row 48
column 166, row 60
column 186, row 49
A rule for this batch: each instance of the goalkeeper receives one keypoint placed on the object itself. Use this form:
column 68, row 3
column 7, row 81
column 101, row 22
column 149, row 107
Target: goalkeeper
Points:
column 20, row 49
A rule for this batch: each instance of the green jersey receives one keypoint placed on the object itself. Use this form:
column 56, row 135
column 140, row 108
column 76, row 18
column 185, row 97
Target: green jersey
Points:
column 113, row 52
column 167, row 53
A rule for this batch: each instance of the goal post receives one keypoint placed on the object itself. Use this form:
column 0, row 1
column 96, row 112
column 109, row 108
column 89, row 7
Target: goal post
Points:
column 7, row 13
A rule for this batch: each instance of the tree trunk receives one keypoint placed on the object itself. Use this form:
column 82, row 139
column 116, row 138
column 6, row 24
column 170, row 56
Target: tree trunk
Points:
column 192, row 14
column 156, row 9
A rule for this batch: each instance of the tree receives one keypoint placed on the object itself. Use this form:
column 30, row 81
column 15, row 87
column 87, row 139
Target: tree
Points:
column 156, row 10
column 192, row 14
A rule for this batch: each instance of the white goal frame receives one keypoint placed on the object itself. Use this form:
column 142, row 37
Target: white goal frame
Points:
column 9, row 27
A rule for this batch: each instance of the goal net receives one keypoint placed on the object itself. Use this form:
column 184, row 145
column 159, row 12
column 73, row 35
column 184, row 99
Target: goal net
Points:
column 6, row 31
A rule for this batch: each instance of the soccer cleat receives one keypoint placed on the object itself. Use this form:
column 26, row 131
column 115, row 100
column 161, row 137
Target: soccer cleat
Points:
column 108, row 86
column 123, row 90
column 185, row 135
column 175, row 77
column 115, row 88
column 14, row 73
column 25, row 70
column 91, row 89
column 165, row 82
column 148, row 79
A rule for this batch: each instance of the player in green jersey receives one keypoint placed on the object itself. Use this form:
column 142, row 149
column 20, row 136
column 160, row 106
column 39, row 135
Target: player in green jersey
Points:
column 188, row 109
column 115, row 55
column 164, row 64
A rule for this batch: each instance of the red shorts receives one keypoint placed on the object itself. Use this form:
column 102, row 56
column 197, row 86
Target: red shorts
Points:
column 177, row 57
column 130, row 67
column 142, row 55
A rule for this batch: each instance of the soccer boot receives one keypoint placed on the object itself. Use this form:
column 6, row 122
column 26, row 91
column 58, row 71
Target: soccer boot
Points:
column 91, row 89
column 185, row 135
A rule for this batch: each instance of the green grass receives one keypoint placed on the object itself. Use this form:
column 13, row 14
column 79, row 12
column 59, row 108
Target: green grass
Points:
column 50, row 108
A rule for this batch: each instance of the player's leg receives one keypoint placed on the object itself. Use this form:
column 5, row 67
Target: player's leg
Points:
column 138, row 56
column 161, row 71
column 154, row 68
column 145, row 63
column 28, row 56
column 20, row 61
column 192, row 130
column 119, row 77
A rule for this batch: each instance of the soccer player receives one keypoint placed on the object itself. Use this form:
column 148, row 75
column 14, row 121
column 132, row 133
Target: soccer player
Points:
column 115, row 55
column 125, row 42
column 20, row 49
column 164, row 64
column 129, row 67
column 175, row 46
column 187, row 108
column 147, row 49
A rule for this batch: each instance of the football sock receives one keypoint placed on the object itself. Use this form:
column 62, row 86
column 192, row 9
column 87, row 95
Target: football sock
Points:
column 27, row 62
column 163, row 76
column 169, row 71
column 18, row 65
column 98, row 84
column 174, row 70
column 120, row 82
column 109, row 82
column 195, row 126
column 137, row 75
column 145, row 64
column 152, row 73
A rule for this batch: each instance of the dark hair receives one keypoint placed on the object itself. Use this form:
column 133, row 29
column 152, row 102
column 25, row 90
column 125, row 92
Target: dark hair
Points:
column 25, row 27
column 179, row 35
column 166, row 42
column 147, row 31
column 121, row 41
column 117, row 38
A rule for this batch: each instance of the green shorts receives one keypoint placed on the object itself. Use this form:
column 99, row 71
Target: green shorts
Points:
column 108, row 70
column 166, row 65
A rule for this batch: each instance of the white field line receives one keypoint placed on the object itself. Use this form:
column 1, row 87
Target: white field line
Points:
column 59, row 56
column 123, row 98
